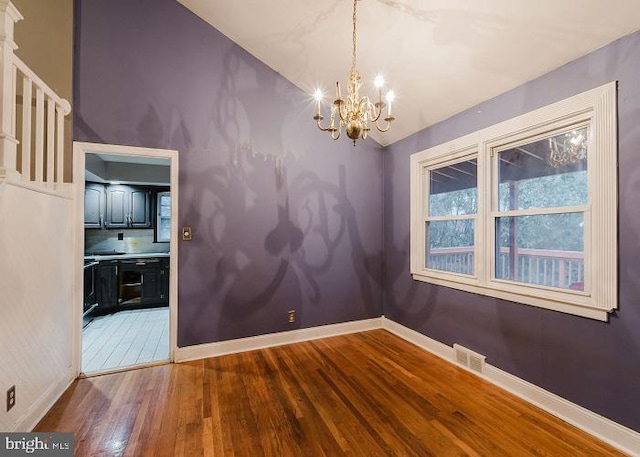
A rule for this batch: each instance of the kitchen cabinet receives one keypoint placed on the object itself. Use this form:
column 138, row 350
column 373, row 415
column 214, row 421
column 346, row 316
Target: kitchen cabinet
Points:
column 140, row 209
column 164, row 281
column 143, row 282
column 131, row 282
column 127, row 207
column 106, row 278
column 94, row 203
column 151, row 291
column 89, row 286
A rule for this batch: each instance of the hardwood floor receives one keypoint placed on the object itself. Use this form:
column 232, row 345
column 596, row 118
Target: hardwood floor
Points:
column 365, row 394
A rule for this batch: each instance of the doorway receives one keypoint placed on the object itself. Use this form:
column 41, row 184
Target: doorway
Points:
column 126, row 251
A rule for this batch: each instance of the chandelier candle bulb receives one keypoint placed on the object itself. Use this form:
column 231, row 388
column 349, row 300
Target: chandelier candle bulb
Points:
column 379, row 83
column 318, row 97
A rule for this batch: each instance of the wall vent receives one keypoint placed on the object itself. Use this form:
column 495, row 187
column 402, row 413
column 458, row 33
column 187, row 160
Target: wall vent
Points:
column 469, row 359
column 461, row 355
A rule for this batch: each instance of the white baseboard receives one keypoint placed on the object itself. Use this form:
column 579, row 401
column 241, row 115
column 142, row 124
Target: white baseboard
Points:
column 617, row 435
column 37, row 410
column 202, row 351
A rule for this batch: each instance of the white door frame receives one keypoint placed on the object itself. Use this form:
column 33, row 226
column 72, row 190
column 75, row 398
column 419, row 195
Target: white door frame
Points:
column 80, row 149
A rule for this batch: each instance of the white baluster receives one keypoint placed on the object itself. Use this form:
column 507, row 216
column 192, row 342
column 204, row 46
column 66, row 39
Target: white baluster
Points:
column 26, row 128
column 39, row 135
column 51, row 125
column 60, row 113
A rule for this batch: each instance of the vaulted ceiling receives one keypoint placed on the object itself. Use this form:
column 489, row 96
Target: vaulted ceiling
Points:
column 439, row 56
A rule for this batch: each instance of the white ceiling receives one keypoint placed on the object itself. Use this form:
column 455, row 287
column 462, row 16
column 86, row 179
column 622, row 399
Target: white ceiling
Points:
column 439, row 56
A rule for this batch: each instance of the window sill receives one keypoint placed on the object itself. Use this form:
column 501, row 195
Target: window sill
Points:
column 564, row 306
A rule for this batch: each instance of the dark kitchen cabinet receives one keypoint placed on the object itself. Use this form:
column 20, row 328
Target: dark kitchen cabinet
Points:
column 94, row 204
column 89, row 286
column 143, row 282
column 140, row 209
column 164, row 281
column 127, row 207
column 151, row 290
column 130, row 283
column 118, row 206
column 117, row 215
column 107, row 285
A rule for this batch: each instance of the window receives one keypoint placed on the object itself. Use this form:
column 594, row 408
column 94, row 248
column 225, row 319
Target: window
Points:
column 451, row 214
column 524, row 210
column 163, row 221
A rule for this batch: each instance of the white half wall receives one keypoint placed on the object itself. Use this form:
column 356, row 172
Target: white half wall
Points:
column 36, row 296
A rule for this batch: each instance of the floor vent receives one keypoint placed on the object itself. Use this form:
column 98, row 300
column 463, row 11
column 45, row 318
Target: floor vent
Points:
column 469, row 359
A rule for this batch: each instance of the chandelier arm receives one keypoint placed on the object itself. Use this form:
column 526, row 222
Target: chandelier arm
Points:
column 342, row 110
column 388, row 121
column 377, row 110
column 361, row 106
column 318, row 121
column 366, row 107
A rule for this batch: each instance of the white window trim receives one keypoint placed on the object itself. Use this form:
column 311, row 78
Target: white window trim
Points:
column 596, row 107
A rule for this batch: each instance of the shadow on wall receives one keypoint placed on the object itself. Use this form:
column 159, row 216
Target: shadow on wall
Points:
column 256, row 266
column 265, row 240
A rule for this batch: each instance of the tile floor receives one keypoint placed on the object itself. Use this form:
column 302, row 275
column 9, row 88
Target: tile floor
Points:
column 125, row 338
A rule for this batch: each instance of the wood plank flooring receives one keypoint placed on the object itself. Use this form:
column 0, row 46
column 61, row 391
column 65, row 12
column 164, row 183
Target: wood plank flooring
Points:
column 366, row 394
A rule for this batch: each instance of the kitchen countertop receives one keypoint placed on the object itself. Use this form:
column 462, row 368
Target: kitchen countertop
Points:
column 126, row 256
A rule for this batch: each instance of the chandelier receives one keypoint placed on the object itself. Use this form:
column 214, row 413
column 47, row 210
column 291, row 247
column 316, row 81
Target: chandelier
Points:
column 354, row 113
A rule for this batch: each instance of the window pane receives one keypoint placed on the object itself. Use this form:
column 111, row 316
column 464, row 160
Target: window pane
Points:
column 546, row 249
column 450, row 245
column 164, row 217
column 453, row 190
column 547, row 173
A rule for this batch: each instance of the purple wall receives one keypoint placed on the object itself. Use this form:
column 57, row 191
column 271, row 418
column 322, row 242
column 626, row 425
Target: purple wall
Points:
column 283, row 217
column 591, row 363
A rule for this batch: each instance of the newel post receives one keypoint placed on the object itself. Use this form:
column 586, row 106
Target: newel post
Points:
column 9, row 15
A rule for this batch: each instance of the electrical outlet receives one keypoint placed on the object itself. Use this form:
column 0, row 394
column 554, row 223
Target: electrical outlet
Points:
column 291, row 316
column 11, row 397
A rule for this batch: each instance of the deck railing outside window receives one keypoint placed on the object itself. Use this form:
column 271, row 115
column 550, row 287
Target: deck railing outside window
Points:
column 563, row 269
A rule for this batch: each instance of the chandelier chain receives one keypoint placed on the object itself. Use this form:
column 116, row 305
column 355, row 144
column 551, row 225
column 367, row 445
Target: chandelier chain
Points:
column 355, row 41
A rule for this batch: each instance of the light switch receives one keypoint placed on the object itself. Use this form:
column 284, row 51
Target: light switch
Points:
column 186, row 233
